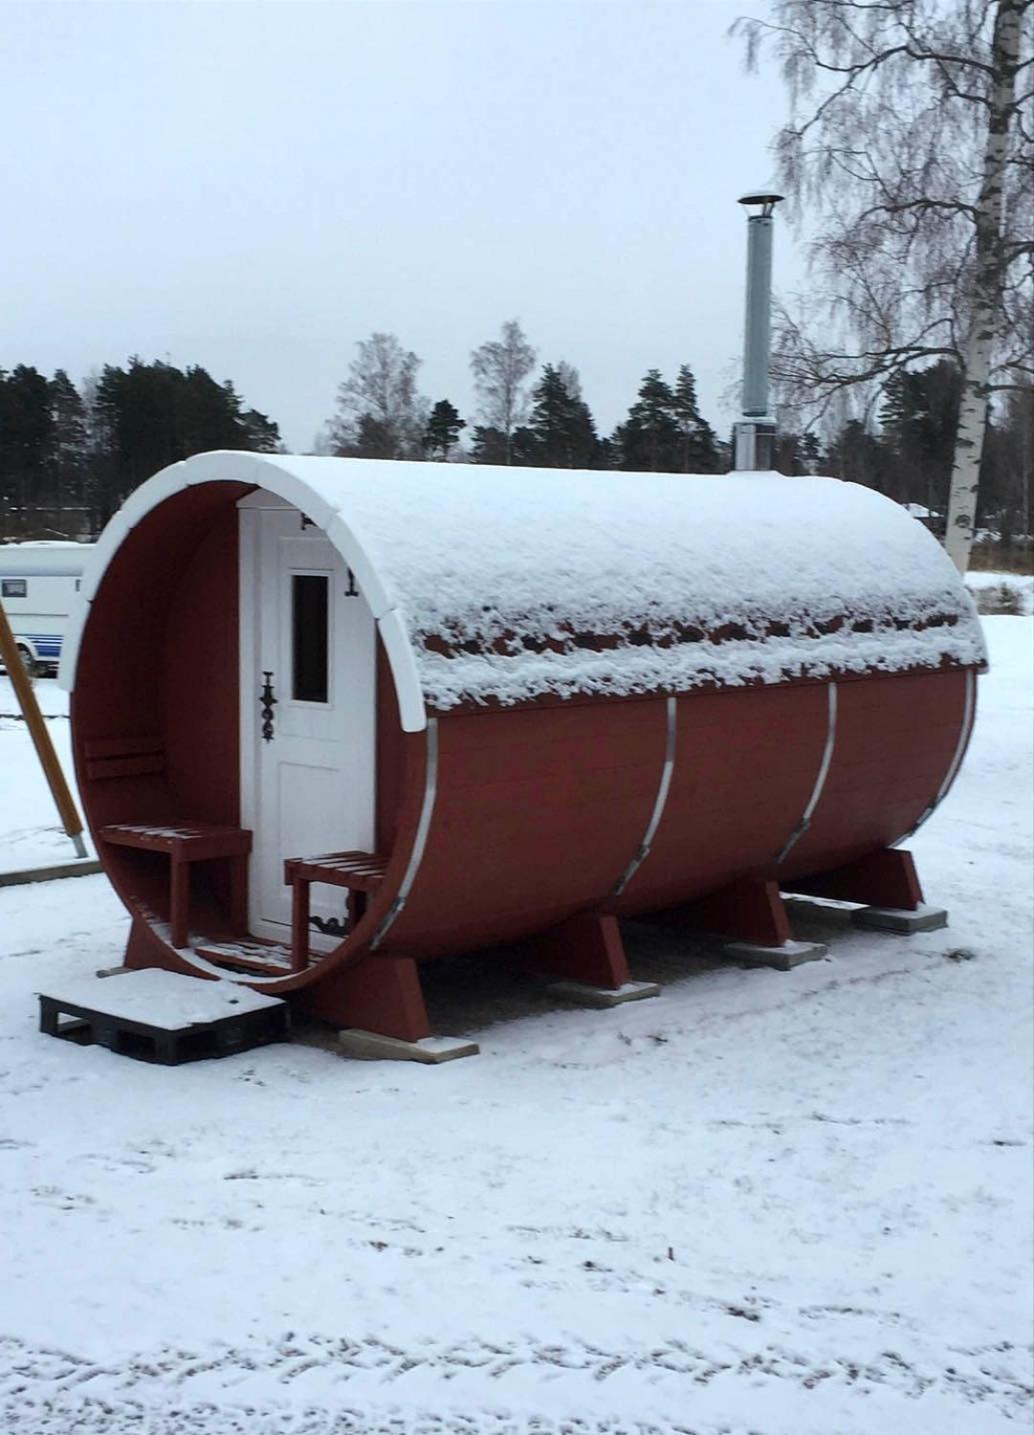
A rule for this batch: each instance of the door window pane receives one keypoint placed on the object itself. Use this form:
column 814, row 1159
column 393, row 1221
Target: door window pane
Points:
column 310, row 642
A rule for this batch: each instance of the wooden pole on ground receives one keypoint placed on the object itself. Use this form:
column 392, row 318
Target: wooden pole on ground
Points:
column 23, row 691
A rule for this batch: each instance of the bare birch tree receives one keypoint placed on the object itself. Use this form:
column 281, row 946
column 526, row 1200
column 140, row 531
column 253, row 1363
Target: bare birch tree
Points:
column 501, row 368
column 911, row 141
column 378, row 407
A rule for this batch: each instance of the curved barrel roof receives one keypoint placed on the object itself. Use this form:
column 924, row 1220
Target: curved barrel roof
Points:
column 501, row 585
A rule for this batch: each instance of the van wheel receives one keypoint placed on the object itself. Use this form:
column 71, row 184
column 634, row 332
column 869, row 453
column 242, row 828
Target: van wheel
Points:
column 28, row 661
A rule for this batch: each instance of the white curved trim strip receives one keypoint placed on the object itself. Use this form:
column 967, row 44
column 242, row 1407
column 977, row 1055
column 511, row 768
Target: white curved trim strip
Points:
column 820, row 779
column 965, row 730
column 277, row 476
column 399, row 651
column 660, row 801
column 420, row 840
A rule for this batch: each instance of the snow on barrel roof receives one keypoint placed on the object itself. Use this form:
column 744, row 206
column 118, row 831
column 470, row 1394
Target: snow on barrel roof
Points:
column 514, row 583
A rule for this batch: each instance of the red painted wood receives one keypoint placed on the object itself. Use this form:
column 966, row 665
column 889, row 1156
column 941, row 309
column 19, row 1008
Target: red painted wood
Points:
column 381, row 994
column 587, row 948
column 299, row 924
column 745, row 765
column 896, row 737
column 158, row 674
column 536, row 818
column 886, row 878
column 748, row 910
column 539, row 811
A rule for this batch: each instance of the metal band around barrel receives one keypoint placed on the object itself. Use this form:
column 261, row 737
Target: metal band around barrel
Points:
column 968, row 713
column 820, row 779
column 420, row 841
column 659, row 802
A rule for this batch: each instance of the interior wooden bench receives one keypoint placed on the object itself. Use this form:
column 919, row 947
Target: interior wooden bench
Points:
column 360, row 872
column 184, row 841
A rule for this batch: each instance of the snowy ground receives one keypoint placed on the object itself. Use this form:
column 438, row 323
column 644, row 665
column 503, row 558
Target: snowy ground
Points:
column 993, row 590
column 786, row 1204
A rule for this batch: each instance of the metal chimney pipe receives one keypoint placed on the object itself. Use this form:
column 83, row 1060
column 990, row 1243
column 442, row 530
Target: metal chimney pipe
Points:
column 757, row 340
column 755, row 433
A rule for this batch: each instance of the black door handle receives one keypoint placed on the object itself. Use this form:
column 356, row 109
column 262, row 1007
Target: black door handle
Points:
column 267, row 700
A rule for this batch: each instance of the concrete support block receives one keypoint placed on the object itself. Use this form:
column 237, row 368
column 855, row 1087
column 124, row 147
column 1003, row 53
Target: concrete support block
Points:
column 823, row 912
column 430, row 1050
column 782, row 958
column 582, row 994
column 901, row 919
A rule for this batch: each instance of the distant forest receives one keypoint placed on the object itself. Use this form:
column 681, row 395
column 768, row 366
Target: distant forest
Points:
column 69, row 457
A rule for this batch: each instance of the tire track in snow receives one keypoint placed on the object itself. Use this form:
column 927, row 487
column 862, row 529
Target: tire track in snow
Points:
column 46, row 1390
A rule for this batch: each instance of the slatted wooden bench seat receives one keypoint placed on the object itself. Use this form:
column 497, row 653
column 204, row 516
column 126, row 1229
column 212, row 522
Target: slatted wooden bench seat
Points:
column 361, row 872
column 185, row 843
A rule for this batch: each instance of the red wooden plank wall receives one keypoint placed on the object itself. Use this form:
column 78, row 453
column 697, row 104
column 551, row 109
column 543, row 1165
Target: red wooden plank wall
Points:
column 537, row 815
column 896, row 737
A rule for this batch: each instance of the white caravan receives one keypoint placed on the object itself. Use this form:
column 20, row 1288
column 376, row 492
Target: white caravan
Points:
column 38, row 587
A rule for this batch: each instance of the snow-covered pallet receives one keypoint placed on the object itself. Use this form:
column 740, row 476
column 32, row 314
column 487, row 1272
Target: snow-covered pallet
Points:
column 163, row 1017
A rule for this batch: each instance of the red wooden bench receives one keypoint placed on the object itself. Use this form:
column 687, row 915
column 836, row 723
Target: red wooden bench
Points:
column 184, row 843
column 360, row 872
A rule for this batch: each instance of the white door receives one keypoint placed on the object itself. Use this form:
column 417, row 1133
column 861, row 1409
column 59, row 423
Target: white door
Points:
column 307, row 712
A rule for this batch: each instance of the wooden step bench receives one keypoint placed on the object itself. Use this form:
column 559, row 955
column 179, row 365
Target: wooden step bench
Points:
column 184, row 843
column 360, row 872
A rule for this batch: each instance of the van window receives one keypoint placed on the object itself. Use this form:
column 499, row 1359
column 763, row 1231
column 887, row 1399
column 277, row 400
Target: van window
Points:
column 13, row 587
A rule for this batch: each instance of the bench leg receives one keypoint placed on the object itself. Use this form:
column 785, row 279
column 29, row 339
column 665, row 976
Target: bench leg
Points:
column 299, row 924
column 356, row 907
column 179, row 902
column 239, row 893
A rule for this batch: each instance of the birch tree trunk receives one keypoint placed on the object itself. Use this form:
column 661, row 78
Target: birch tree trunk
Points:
column 987, row 289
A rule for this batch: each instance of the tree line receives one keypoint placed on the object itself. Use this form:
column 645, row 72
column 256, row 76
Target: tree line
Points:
column 70, row 456
column 904, row 447
column 531, row 420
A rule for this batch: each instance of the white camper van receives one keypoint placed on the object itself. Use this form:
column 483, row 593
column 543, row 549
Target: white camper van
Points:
column 38, row 587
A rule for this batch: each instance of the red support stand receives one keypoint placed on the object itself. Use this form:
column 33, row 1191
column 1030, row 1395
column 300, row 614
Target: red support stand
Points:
column 750, row 910
column 145, row 949
column 587, row 948
column 885, row 878
column 379, row 994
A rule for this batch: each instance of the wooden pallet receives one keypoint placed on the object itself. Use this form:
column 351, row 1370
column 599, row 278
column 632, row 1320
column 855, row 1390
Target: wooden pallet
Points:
column 163, row 1017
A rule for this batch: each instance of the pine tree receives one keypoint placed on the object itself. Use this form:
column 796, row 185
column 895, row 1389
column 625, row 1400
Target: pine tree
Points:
column 68, row 444
column 810, row 452
column 490, row 445
column 259, row 434
column 26, row 445
column 443, row 430
column 649, row 439
column 561, row 425
column 698, row 449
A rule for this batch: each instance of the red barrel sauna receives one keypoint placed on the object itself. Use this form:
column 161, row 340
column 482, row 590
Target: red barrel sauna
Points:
column 333, row 718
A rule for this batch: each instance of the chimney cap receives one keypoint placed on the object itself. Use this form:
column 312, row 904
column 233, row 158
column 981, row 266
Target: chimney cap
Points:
column 766, row 195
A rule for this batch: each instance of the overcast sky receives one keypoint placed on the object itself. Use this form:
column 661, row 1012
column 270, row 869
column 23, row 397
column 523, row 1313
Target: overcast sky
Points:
column 255, row 186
